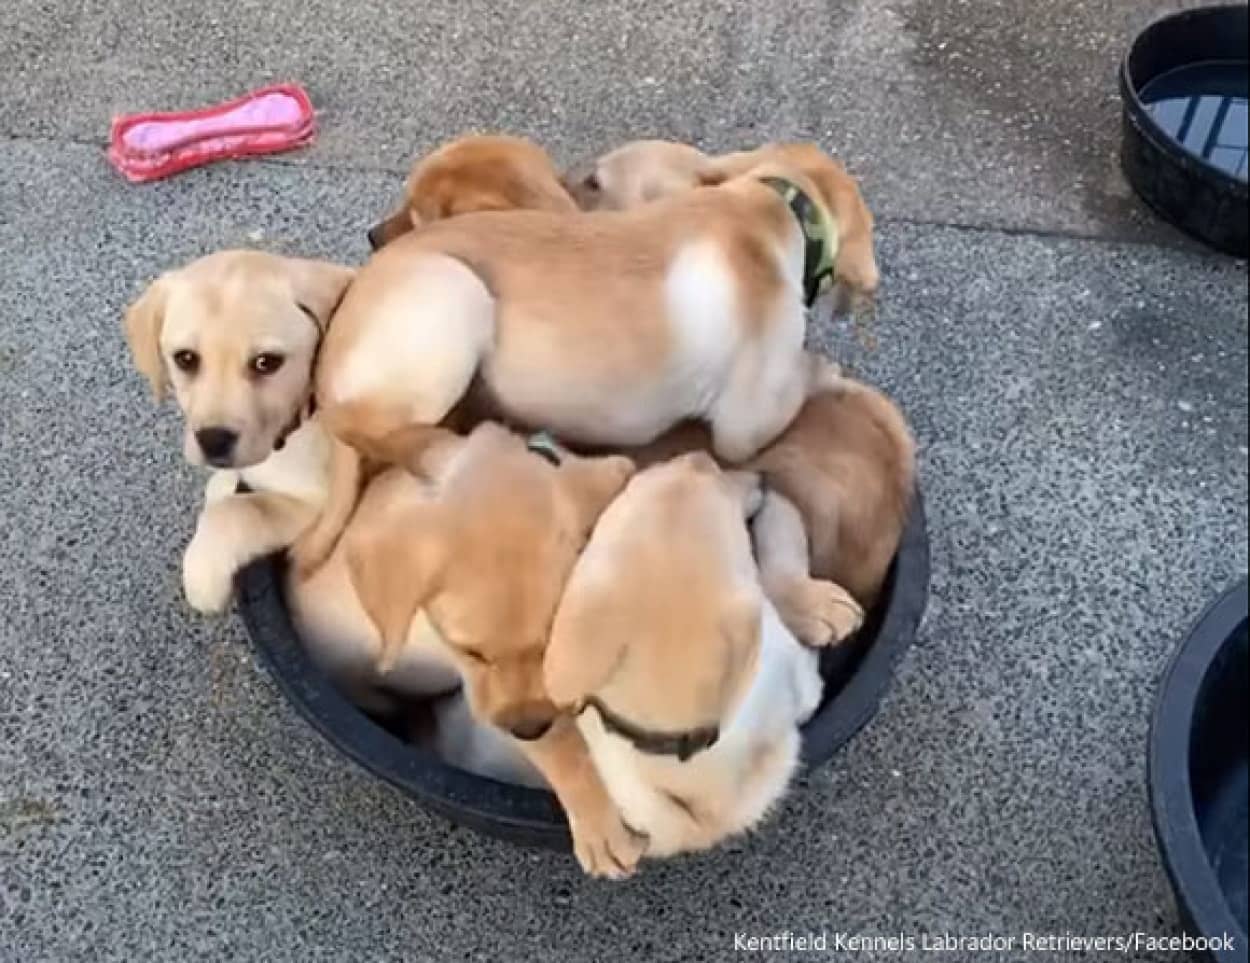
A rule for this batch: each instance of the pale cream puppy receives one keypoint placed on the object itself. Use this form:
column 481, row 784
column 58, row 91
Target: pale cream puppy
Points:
column 689, row 686
column 235, row 334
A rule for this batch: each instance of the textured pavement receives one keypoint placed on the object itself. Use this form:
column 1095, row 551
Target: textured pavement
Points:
column 1076, row 375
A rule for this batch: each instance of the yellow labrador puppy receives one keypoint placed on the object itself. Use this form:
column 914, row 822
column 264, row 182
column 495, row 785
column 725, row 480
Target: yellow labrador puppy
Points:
column 480, row 172
column 644, row 171
column 689, row 686
column 479, row 557
column 235, row 334
column 605, row 328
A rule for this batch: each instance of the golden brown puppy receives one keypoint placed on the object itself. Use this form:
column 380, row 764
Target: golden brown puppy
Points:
column 649, row 170
column 476, row 173
column 482, row 560
column 688, row 685
column 235, row 334
column 846, row 467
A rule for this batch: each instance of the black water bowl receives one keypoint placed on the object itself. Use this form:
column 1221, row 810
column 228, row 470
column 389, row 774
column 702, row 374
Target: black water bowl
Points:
column 1184, row 144
column 1198, row 774
column 857, row 674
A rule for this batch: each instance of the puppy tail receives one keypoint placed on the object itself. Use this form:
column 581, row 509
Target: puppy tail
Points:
column 347, row 478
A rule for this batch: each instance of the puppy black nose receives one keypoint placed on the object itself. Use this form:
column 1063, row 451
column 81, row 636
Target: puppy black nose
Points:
column 531, row 729
column 375, row 236
column 217, row 444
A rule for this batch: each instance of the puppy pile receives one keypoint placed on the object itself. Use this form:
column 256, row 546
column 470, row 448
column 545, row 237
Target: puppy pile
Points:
column 564, row 495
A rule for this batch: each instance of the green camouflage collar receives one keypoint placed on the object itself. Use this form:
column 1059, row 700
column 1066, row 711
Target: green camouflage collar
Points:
column 820, row 237
column 543, row 443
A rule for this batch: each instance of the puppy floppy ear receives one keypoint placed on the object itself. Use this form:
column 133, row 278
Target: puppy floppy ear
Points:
column 144, row 320
column 581, row 657
column 318, row 286
column 394, row 562
column 594, row 482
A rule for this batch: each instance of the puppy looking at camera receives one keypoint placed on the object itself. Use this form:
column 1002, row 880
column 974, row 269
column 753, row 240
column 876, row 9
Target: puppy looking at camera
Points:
column 688, row 685
column 234, row 334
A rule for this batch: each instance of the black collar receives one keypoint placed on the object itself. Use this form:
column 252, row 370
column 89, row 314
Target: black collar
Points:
column 820, row 236
column 683, row 745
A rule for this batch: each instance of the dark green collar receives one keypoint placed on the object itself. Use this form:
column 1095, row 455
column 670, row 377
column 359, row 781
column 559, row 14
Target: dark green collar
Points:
column 820, row 237
column 683, row 745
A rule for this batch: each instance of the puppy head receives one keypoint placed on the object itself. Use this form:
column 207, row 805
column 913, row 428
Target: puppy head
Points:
column 486, row 559
column 639, row 172
column 235, row 334
column 660, row 620
column 856, row 265
column 476, row 173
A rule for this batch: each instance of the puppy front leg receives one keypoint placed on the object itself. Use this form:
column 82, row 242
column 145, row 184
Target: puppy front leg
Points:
column 603, row 844
column 816, row 611
column 232, row 532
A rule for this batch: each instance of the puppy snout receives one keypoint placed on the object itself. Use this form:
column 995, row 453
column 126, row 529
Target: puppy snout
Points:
column 217, row 444
column 531, row 729
column 528, row 722
column 376, row 236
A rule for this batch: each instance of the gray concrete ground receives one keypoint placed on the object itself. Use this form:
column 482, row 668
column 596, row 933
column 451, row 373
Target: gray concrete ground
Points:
column 1076, row 374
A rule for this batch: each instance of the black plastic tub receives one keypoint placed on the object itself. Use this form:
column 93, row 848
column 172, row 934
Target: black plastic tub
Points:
column 1198, row 775
column 1184, row 147
column 857, row 675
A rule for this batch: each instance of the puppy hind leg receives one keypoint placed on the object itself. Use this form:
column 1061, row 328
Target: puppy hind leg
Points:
column 414, row 361
column 348, row 475
column 766, row 387
column 818, row 612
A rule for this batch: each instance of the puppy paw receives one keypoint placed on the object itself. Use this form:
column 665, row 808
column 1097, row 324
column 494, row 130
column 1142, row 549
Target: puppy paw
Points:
column 605, row 847
column 821, row 613
column 207, row 578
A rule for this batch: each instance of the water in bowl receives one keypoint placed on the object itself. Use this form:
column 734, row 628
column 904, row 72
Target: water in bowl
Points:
column 1202, row 107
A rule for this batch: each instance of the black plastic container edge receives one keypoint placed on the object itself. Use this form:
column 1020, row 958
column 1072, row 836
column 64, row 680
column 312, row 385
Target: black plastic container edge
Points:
column 532, row 817
column 1184, row 190
column 1200, row 899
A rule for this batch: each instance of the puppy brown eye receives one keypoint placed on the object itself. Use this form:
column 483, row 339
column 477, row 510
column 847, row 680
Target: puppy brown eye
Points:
column 591, row 183
column 475, row 657
column 186, row 361
column 267, row 364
